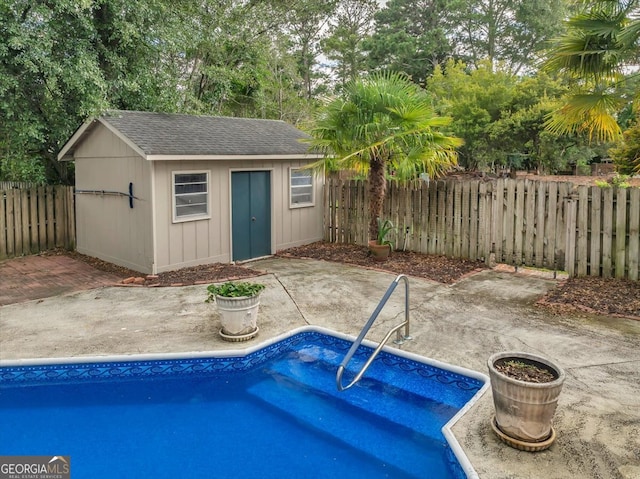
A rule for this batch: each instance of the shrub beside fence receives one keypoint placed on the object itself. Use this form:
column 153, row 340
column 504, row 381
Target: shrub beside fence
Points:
column 36, row 219
column 583, row 230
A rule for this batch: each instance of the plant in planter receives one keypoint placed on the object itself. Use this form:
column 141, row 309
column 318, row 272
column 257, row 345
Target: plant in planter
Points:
column 382, row 246
column 238, row 307
column 525, row 395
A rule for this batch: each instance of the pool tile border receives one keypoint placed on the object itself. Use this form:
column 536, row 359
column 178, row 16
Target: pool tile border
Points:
column 132, row 369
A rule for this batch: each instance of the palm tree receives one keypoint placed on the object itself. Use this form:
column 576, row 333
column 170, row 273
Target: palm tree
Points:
column 383, row 122
column 598, row 51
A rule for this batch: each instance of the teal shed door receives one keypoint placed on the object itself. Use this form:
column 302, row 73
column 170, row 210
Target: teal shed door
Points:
column 250, row 214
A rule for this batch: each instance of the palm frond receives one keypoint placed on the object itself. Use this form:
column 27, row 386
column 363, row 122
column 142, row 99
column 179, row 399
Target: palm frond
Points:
column 384, row 116
column 588, row 113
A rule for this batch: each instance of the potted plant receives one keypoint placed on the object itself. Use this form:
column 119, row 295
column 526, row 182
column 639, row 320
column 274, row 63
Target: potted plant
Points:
column 238, row 307
column 525, row 395
column 382, row 246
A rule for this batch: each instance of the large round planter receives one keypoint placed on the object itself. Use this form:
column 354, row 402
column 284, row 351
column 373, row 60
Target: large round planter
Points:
column 379, row 252
column 524, row 410
column 238, row 316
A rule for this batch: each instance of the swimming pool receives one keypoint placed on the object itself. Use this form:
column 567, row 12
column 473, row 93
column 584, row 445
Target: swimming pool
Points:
column 272, row 411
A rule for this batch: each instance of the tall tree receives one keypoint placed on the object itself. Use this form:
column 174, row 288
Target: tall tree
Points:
column 475, row 98
column 41, row 83
column 411, row 36
column 307, row 23
column 383, row 122
column 348, row 30
column 228, row 47
column 281, row 95
column 501, row 118
column 63, row 61
column 597, row 53
column 507, row 32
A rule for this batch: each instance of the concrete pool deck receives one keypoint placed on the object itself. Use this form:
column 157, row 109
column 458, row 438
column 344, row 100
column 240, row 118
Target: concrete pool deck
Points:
column 598, row 417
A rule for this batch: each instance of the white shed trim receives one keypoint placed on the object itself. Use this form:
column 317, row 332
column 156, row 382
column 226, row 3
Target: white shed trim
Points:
column 80, row 132
column 229, row 157
column 66, row 153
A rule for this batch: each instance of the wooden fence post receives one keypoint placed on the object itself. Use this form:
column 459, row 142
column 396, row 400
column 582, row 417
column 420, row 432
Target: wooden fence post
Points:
column 621, row 233
column 607, row 231
column 596, row 215
column 3, row 225
column 509, row 221
column 582, row 222
column 497, row 219
column 550, row 227
column 634, row 233
column 570, row 248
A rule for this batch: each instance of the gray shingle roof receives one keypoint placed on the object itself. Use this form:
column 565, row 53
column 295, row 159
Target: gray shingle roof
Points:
column 177, row 134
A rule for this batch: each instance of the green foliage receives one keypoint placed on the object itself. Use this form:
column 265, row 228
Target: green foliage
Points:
column 63, row 62
column 415, row 36
column 306, row 21
column 385, row 228
column 237, row 62
column 626, row 155
column 381, row 122
column 411, row 37
column 347, row 33
column 596, row 54
column 618, row 181
column 384, row 117
column 510, row 33
column 28, row 170
column 233, row 290
column 501, row 117
column 603, row 184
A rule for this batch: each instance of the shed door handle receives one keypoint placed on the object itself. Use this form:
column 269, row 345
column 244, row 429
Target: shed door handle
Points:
column 253, row 218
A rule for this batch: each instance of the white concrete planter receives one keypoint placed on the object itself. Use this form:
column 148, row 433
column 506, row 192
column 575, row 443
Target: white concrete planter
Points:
column 524, row 410
column 239, row 317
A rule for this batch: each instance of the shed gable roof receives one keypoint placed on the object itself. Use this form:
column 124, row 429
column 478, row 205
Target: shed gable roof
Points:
column 158, row 136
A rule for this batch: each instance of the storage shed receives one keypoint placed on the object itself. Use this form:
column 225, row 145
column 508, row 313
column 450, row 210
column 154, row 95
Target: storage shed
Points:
column 157, row 192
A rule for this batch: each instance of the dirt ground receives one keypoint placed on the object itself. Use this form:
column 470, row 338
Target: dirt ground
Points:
column 608, row 296
column 582, row 180
column 634, row 182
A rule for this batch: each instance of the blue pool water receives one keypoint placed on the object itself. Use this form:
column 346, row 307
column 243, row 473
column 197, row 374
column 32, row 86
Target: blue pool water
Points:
column 273, row 413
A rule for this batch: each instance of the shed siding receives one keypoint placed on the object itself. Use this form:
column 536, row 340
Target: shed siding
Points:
column 205, row 241
column 107, row 227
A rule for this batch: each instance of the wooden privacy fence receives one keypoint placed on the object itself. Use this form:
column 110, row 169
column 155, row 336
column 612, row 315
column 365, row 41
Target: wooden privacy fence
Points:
column 6, row 185
column 583, row 230
column 36, row 219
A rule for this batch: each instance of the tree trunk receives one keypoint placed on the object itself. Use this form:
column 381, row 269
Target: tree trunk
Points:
column 377, row 189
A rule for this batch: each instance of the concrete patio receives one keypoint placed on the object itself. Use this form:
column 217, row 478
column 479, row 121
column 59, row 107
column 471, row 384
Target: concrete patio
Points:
column 598, row 417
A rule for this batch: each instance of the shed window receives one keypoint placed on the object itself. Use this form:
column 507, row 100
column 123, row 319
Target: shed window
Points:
column 300, row 188
column 190, row 196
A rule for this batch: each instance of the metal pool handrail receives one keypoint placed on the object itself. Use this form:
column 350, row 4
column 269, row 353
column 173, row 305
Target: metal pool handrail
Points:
column 396, row 329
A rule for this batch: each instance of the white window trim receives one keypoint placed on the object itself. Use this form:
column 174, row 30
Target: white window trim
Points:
column 182, row 219
column 313, row 191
